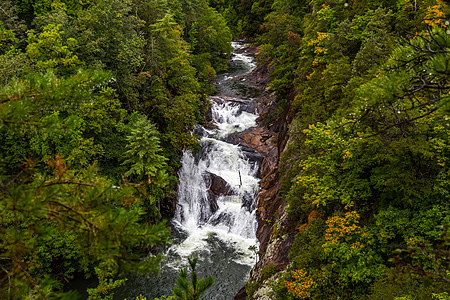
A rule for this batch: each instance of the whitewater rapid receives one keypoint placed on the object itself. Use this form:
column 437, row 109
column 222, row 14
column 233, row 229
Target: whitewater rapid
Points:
column 221, row 236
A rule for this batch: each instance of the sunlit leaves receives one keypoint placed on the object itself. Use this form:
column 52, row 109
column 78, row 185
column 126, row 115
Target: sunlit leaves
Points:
column 435, row 15
column 300, row 284
column 367, row 107
column 350, row 245
column 48, row 50
column 336, row 155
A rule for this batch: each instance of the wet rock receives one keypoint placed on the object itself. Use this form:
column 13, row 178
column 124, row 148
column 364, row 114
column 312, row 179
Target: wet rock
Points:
column 169, row 205
column 260, row 75
column 218, row 185
column 211, row 126
column 250, row 50
column 200, row 130
column 269, row 139
column 241, row 295
column 205, row 214
column 252, row 155
column 222, row 218
column 203, row 153
column 247, row 107
column 208, row 115
column 233, row 138
column 209, row 119
column 247, row 149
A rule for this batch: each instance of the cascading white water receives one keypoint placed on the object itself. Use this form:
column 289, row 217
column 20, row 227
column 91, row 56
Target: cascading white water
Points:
column 229, row 119
column 221, row 237
column 232, row 223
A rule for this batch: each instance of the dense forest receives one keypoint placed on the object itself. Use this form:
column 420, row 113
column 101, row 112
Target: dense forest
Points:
column 99, row 98
column 364, row 87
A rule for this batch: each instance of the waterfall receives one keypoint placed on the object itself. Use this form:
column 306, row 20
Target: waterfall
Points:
column 219, row 228
column 234, row 221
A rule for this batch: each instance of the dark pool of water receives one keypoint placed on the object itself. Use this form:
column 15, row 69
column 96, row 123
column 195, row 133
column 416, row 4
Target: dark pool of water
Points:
column 217, row 260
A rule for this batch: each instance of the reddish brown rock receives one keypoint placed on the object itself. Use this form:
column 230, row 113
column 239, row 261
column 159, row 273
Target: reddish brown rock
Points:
column 275, row 231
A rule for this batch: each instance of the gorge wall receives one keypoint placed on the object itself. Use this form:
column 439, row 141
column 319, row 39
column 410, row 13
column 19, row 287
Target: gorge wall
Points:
column 275, row 231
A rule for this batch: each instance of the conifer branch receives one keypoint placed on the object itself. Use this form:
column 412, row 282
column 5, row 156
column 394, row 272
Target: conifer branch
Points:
column 77, row 213
column 68, row 182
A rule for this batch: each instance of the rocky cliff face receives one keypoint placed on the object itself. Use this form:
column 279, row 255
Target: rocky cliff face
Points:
column 275, row 231
column 263, row 143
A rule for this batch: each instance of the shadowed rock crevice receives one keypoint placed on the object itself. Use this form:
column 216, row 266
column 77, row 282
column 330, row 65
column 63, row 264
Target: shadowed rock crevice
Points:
column 267, row 140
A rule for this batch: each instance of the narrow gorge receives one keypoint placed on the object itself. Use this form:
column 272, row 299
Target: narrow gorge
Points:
column 219, row 193
column 312, row 163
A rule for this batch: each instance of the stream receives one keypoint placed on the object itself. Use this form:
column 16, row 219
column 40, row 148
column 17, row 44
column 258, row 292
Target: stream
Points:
column 218, row 228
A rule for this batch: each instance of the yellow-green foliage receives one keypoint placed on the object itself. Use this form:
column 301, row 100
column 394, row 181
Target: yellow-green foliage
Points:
column 97, row 101
column 366, row 85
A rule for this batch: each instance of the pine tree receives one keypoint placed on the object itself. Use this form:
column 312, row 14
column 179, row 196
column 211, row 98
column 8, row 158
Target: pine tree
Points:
column 193, row 291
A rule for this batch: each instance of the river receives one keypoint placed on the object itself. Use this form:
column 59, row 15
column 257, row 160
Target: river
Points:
column 220, row 235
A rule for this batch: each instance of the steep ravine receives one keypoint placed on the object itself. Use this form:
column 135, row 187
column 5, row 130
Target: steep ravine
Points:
column 275, row 231
column 265, row 142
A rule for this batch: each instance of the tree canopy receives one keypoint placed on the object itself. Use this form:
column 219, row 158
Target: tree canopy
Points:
column 99, row 98
column 364, row 89
column 97, row 101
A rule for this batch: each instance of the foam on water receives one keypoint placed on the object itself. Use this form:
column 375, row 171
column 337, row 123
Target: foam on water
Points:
column 233, row 224
column 244, row 59
column 229, row 119
column 223, row 240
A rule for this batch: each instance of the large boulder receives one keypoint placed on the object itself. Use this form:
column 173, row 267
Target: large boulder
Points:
column 252, row 155
column 217, row 185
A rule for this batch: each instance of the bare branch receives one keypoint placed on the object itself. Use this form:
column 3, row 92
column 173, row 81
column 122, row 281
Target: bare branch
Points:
column 9, row 280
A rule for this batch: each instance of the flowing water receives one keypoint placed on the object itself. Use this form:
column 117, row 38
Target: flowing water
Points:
column 219, row 235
